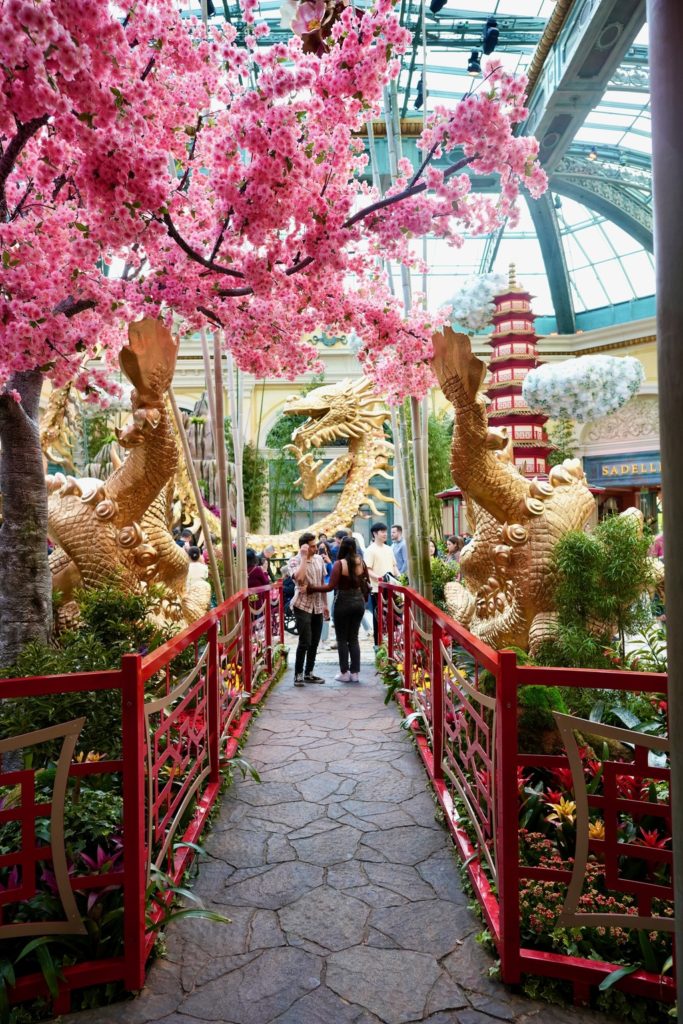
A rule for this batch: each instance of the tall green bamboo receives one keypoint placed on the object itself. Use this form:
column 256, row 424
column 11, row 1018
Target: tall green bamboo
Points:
column 240, row 515
column 222, row 470
column 415, row 455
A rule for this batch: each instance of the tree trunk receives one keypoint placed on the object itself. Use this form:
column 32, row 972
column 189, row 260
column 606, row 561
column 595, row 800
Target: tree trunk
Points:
column 25, row 579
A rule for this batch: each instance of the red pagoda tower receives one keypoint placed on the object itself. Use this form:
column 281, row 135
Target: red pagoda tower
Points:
column 514, row 353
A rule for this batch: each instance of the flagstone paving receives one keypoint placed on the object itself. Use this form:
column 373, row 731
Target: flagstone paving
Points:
column 341, row 885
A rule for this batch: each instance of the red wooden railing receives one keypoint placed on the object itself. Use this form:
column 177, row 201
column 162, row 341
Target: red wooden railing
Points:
column 179, row 724
column 466, row 731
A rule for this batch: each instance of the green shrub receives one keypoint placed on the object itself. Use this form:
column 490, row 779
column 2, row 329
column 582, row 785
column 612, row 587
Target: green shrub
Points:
column 442, row 573
column 601, row 582
column 113, row 623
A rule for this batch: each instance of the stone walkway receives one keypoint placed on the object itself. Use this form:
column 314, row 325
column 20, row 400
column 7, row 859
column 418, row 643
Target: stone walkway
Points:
column 342, row 888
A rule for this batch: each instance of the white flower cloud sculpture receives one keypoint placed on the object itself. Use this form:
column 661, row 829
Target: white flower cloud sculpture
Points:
column 472, row 306
column 583, row 389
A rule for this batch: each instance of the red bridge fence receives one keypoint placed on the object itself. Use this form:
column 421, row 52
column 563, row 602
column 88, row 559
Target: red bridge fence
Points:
column 178, row 716
column 577, row 838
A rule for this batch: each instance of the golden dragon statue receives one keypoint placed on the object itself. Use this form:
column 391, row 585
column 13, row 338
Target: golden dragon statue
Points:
column 347, row 411
column 506, row 594
column 121, row 527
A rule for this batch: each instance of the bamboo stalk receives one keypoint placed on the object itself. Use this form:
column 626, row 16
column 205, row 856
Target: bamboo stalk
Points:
column 421, row 499
column 208, row 383
column 239, row 479
column 180, row 427
column 410, row 519
column 222, row 470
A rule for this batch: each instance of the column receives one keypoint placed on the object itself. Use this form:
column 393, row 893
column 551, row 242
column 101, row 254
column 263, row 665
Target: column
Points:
column 665, row 20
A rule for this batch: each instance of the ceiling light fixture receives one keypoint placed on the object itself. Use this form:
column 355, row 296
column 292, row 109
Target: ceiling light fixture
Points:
column 491, row 36
column 473, row 65
column 436, row 5
column 419, row 98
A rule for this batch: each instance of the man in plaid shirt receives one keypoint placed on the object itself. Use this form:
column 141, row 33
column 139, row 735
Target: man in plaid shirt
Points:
column 308, row 569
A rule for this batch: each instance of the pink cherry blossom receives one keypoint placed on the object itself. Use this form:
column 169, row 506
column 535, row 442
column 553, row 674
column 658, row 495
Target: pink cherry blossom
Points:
column 309, row 17
column 142, row 144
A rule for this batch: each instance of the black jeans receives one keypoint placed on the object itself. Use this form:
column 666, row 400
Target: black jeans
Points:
column 310, row 626
column 349, row 609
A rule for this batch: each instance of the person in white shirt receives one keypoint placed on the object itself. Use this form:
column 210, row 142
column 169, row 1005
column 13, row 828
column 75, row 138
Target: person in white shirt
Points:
column 379, row 558
column 197, row 569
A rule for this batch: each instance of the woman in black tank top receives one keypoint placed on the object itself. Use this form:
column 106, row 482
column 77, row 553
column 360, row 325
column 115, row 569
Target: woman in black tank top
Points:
column 351, row 583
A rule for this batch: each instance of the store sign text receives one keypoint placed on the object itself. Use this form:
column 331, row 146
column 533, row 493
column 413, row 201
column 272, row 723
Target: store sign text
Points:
column 632, row 469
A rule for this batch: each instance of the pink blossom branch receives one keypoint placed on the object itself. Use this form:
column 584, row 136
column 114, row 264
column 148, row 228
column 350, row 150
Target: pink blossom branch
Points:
column 193, row 255
column 381, row 204
column 410, row 190
column 25, row 131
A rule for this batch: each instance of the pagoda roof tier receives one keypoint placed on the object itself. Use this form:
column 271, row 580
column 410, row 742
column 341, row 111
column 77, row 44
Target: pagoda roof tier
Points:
column 498, row 385
column 535, row 417
column 516, row 314
column 514, row 332
column 541, row 446
column 515, row 357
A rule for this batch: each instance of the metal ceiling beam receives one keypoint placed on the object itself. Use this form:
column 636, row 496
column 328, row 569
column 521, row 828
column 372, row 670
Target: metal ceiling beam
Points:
column 591, row 45
column 609, row 199
column 544, row 219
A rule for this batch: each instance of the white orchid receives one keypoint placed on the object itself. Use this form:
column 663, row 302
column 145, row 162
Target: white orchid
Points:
column 583, row 389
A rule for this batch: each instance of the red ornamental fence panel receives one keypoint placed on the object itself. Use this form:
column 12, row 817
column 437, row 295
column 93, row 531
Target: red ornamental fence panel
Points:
column 171, row 719
column 568, row 849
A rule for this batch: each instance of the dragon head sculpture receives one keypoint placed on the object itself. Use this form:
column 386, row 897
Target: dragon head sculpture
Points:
column 349, row 409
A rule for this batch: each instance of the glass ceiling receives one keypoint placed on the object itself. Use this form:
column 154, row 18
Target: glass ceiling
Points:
column 606, row 265
column 601, row 191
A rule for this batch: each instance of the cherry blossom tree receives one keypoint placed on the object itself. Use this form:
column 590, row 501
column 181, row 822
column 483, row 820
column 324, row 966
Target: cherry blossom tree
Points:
column 229, row 179
column 91, row 111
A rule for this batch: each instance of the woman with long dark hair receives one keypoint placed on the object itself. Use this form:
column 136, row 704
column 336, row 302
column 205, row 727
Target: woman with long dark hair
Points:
column 349, row 579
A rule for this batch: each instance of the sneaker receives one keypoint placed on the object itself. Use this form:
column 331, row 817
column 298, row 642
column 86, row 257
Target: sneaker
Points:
column 354, row 677
column 343, row 677
column 298, row 680
column 310, row 678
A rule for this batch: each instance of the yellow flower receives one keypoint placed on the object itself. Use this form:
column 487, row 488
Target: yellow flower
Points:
column 596, row 829
column 563, row 812
column 91, row 756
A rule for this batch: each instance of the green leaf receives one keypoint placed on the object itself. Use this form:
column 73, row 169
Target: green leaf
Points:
column 409, row 719
column 649, row 958
column 186, row 844
column 245, row 767
column 30, row 946
column 615, row 976
column 49, row 969
column 7, row 975
column 207, row 915
column 667, row 965
column 597, row 711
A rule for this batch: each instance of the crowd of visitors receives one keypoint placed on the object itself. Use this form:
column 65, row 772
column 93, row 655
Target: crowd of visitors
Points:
column 330, row 580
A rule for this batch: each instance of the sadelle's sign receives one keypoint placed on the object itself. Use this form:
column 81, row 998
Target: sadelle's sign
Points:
column 638, row 468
